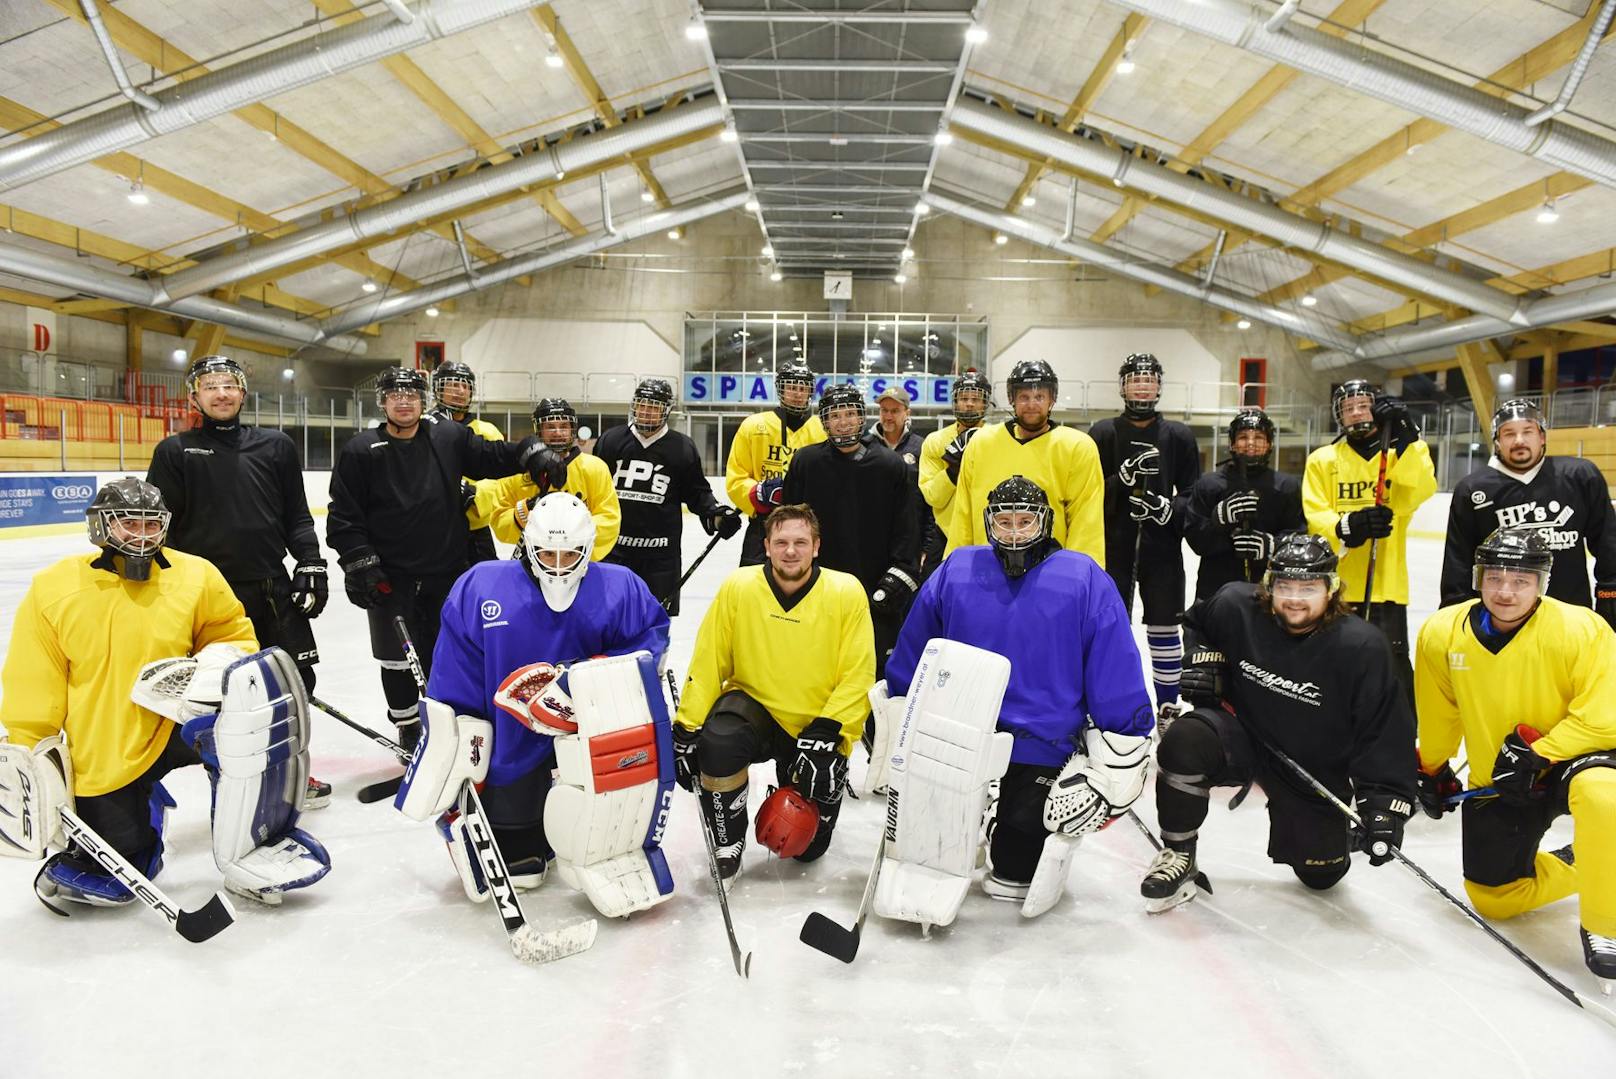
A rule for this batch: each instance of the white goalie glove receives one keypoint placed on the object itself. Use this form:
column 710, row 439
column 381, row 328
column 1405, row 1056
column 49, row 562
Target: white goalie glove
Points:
column 35, row 785
column 185, row 687
column 1099, row 784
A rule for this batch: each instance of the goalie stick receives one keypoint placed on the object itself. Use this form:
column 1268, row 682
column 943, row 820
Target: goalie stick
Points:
column 824, row 935
column 528, row 943
column 382, row 740
column 203, row 923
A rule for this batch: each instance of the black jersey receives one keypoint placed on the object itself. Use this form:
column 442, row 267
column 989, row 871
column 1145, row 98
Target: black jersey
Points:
column 402, row 501
column 1330, row 700
column 1279, row 509
column 909, row 448
column 864, row 502
column 1179, row 467
column 236, row 495
column 1564, row 497
column 652, row 479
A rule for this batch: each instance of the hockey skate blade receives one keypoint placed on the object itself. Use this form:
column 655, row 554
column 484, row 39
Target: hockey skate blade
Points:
column 1186, row 892
column 533, row 945
column 207, row 921
column 822, row 934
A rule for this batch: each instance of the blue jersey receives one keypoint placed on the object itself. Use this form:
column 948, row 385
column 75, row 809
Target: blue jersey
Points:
column 495, row 621
column 1065, row 632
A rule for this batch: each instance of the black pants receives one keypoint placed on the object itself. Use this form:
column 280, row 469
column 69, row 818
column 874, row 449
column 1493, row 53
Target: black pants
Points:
column 1392, row 618
column 516, row 814
column 1500, row 839
column 1159, row 575
column 1018, row 835
column 123, row 817
column 420, row 601
column 752, row 542
column 278, row 624
column 659, row 571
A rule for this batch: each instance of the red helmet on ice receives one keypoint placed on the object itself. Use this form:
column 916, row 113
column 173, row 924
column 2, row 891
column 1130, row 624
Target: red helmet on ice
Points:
column 787, row 821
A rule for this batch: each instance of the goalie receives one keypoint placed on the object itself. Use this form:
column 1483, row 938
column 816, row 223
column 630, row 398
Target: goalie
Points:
column 1073, row 724
column 504, row 711
column 89, row 628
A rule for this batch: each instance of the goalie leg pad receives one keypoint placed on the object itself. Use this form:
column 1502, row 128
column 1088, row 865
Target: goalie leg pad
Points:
column 607, row 812
column 1049, row 878
column 945, row 752
column 888, row 714
column 453, row 750
column 77, row 877
column 35, row 785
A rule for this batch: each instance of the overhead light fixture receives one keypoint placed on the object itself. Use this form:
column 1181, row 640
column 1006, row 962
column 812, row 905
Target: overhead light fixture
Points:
column 900, row 279
column 552, row 55
column 1000, row 238
column 728, row 135
column 768, row 251
column 674, row 234
column 922, row 207
column 369, row 285
column 908, row 252
column 751, row 206
column 837, row 215
column 793, row 337
column 1125, row 65
column 1310, row 300
column 561, row 174
column 179, row 355
column 1244, row 324
column 288, row 374
column 838, row 140
column 1546, row 216
column 976, row 35
column 1116, row 181
column 432, row 312
column 137, row 194
column 646, row 196
column 944, row 137
column 1029, row 201
column 776, row 276
column 695, row 30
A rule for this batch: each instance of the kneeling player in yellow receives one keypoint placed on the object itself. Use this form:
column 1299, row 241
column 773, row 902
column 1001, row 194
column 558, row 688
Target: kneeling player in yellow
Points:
column 1530, row 684
column 784, row 661
column 505, row 503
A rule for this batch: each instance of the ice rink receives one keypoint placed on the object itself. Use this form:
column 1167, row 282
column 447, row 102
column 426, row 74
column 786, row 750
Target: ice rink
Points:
column 385, row 969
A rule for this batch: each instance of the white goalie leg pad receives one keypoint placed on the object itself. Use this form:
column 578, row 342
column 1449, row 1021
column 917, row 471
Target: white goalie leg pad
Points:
column 1099, row 784
column 606, row 813
column 1049, row 877
column 256, row 748
column 35, row 786
column 888, row 712
column 463, row 853
column 453, row 750
column 944, row 754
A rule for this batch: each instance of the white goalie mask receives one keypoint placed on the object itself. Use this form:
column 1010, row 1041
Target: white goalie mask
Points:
column 556, row 542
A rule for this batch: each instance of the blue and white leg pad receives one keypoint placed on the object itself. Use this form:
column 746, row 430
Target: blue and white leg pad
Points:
column 256, row 750
column 64, row 876
column 945, row 751
column 606, row 813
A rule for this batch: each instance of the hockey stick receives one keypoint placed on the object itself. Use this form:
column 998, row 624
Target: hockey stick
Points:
column 1245, row 485
column 1587, row 1004
column 1200, row 878
column 1374, row 544
column 1465, row 796
column 742, row 960
column 705, row 551
column 528, row 943
column 380, row 739
column 203, row 923
column 820, row 933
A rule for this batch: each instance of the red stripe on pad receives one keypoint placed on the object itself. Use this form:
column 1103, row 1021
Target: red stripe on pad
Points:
column 624, row 758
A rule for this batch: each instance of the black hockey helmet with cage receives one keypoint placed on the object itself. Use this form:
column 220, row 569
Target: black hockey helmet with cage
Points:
column 1518, row 408
column 1032, row 375
column 655, row 393
column 1252, row 419
column 1020, row 551
column 402, row 379
column 1351, row 388
column 129, row 498
column 971, row 382
column 1302, row 556
column 214, row 365
column 453, row 371
column 1518, row 548
column 794, row 372
column 1137, row 367
column 556, row 408
column 834, row 399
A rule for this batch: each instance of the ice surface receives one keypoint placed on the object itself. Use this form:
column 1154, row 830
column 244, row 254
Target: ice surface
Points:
column 385, row 969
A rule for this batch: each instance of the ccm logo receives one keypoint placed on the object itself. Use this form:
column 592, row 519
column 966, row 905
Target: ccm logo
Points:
column 63, row 492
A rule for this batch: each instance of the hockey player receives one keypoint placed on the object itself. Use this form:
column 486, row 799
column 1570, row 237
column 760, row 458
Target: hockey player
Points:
column 893, row 425
column 1235, row 514
column 1528, row 683
column 507, row 503
column 655, row 468
column 782, row 666
column 236, row 498
column 942, row 452
column 861, row 493
column 399, row 526
column 1061, row 460
column 1284, row 658
column 1566, row 498
column 91, row 639
column 454, row 384
column 510, row 629
column 1340, row 501
column 762, row 449
column 1150, row 464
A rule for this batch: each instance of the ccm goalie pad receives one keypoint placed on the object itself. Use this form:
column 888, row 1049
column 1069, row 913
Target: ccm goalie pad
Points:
column 607, row 811
column 257, row 753
column 453, row 751
column 944, row 753
column 35, row 786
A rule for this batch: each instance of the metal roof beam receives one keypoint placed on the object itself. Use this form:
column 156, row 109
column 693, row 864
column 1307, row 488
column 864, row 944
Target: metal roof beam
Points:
column 915, row 67
column 801, row 105
column 803, row 15
column 829, row 138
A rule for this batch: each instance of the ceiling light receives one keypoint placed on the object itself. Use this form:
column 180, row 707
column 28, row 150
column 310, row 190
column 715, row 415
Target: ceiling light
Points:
column 561, row 174
column 751, row 206
column 976, row 35
column 922, row 207
column 793, row 337
column 552, row 56
column 137, row 194
column 695, row 31
column 1310, row 300
column 1125, row 65
column 908, row 252
column 1000, row 238
column 1029, row 201
column 1546, row 216
column 728, row 135
column 944, row 138
column 768, row 251
column 1116, row 181
column 646, row 196
column 900, row 279
column 432, row 312
column 369, row 285
column 674, row 234
column 179, row 355
column 838, row 140
column 776, row 276
column 1244, row 324
column 287, row 374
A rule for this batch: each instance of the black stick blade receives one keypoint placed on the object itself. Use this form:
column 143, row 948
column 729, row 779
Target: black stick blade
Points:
column 377, row 792
column 207, row 921
column 824, row 935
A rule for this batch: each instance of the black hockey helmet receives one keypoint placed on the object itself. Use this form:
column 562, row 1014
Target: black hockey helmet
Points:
column 556, row 408
column 1302, row 556
column 652, row 393
column 1525, row 549
column 1252, row 419
column 971, row 382
column 1518, row 408
column 214, row 365
column 132, row 500
column 794, row 372
column 1352, row 388
column 453, row 371
column 836, row 398
column 1019, row 549
column 402, row 379
column 1137, row 369
column 1031, row 375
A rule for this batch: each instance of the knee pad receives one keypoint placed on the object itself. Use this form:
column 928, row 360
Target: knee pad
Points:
column 1190, row 747
column 729, row 737
column 1321, row 877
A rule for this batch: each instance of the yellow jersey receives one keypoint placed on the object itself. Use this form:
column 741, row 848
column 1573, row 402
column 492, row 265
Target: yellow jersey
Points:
column 1337, row 480
column 761, row 451
column 1063, row 461
column 492, row 434
column 587, row 477
column 935, row 486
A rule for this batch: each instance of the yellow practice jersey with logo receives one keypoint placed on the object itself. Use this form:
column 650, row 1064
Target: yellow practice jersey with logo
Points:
column 474, row 517
column 1063, row 461
column 587, row 477
column 1557, row 675
column 935, row 486
column 762, row 451
column 80, row 638
column 1338, row 480
column 801, row 657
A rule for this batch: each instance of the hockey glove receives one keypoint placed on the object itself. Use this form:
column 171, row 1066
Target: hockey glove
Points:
column 725, row 522
column 1360, row 526
column 1235, row 508
column 1145, row 463
column 1201, row 682
column 1517, row 767
column 1435, row 790
column 820, row 769
column 1257, row 546
column 892, row 592
column 1605, row 601
column 545, row 467
column 1392, row 414
column 1383, row 816
column 686, row 772
column 955, row 453
column 468, row 496
column 310, row 589
column 365, row 581
column 766, row 495
column 1150, row 506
